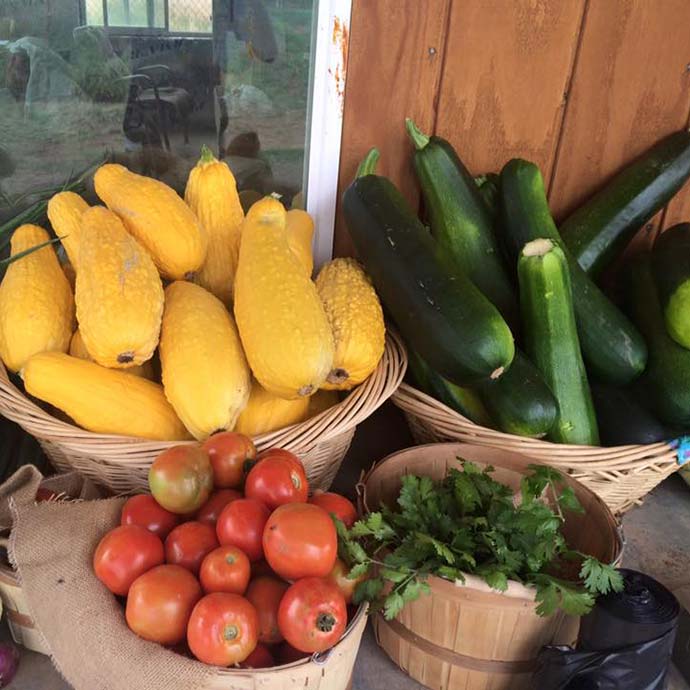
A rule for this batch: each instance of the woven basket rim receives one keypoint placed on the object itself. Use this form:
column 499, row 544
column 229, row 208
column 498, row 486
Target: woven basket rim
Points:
column 411, row 399
column 361, row 402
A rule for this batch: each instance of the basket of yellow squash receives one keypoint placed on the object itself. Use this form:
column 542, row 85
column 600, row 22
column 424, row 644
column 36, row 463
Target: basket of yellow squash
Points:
column 186, row 318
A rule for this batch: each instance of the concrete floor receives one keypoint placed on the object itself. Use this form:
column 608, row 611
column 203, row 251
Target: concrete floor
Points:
column 657, row 535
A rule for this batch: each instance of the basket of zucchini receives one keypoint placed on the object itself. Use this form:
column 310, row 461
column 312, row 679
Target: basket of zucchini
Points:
column 512, row 341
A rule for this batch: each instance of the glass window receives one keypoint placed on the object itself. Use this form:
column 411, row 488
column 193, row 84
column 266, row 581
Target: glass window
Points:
column 146, row 83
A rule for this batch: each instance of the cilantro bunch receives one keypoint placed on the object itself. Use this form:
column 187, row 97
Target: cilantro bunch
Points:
column 468, row 523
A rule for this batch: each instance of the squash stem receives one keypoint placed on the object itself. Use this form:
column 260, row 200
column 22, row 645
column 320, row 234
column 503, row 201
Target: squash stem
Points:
column 368, row 165
column 419, row 139
column 206, row 155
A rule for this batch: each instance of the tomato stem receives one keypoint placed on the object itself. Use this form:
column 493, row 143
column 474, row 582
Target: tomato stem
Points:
column 325, row 622
column 230, row 632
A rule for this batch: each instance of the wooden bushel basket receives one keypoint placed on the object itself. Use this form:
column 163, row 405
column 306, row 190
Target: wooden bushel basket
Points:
column 121, row 463
column 467, row 636
column 621, row 475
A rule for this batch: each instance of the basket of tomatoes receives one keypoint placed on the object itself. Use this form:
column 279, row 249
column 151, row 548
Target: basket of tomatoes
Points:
column 226, row 576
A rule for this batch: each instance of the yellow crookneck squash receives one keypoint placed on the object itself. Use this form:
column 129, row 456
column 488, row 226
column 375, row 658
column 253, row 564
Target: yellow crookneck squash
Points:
column 119, row 293
column 267, row 412
column 205, row 373
column 78, row 349
column 212, row 194
column 356, row 318
column 282, row 322
column 36, row 301
column 65, row 210
column 105, row 401
column 157, row 217
column 300, row 234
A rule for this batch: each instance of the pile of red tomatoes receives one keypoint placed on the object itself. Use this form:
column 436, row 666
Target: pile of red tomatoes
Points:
column 228, row 558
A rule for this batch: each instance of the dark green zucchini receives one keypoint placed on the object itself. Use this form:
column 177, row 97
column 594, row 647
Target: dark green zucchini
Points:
column 623, row 420
column 460, row 219
column 437, row 308
column 462, row 400
column 666, row 381
column 599, row 230
column 488, row 188
column 671, row 266
column 550, row 332
column 520, row 402
column 614, row 350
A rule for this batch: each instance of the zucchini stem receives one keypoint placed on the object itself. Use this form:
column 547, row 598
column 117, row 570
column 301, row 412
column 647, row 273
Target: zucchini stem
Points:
column 538, row 247
column 368, row 165
column 419, row 139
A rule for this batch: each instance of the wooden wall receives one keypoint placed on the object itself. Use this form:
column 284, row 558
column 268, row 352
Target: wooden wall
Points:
column 578, row 86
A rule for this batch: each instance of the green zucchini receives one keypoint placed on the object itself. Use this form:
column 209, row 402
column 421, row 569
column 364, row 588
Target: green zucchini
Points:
column 438, row 309
column 623, row 420
column 460, row 219
column 520, row 402
column 548, row 321
column 599, row 230
column 614, row 350
column 462, row 400
column 488, row 188
column 667, row 379
column 671, row 266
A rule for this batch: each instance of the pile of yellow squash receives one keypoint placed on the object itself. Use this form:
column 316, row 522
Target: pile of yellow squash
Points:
column 223, row 305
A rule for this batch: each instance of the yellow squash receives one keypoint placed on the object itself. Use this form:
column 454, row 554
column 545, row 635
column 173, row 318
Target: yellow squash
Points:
column 105, row 401
column 158, row 218
column 212, row 194
column 205, row 373
column 78, row 349
column 282, row 323
column 65, row 210
column 36, row 301
column 119, row 294
column 300, row 233
column 356, row 317
column 321, row 401
column 267, row 412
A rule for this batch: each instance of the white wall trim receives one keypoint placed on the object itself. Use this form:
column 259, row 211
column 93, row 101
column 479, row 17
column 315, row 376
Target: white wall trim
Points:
column 326, row 121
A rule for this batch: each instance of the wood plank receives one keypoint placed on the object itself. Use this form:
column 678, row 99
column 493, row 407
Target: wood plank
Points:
column 394, row 69
column 678, row 210
column 506, row 72
column 629, row 89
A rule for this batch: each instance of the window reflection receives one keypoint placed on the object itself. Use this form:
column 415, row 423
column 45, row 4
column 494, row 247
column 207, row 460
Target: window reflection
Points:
column 147, row 82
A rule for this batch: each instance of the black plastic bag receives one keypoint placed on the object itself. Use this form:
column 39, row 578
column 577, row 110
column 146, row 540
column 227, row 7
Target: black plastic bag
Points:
column 625, row 643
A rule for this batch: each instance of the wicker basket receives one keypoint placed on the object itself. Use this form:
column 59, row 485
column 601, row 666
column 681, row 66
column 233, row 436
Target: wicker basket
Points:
column 467, row 636
column 121, row 463
column 621, row 475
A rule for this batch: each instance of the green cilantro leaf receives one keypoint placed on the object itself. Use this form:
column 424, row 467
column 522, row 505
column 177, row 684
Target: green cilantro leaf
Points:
column 600, row 578
column 393, row 605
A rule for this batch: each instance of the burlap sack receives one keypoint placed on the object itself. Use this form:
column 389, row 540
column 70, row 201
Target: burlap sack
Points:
column 52, row 546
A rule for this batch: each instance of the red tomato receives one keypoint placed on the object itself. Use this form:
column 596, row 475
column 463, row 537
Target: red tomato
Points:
column 279, row 453
column 266, row 593
column 241, row 524
column 188, row 543
column 181, row 479
column 229, row 452
column 261, row 657
column 211, row 510
column 225, row 569
column 125, row 553
column 276, row 480
column 336, row 504
column 144, row 510
column 338, row 576
column 160, row 603
column 285, row 653
column 300, row 540
column 312, row 615
column 222, row 629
